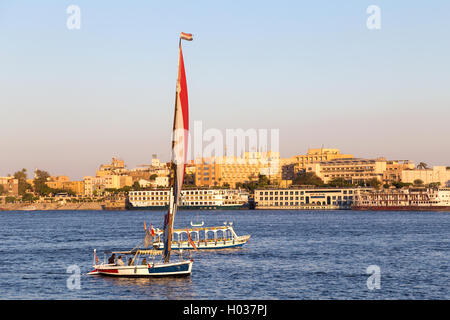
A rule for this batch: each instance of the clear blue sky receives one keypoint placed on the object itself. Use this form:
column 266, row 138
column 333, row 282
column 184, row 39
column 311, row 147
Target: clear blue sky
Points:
column 72, row 99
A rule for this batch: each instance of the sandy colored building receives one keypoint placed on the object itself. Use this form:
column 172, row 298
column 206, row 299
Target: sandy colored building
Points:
column 438, row 174
column 9, row 186
column 291, row 167
column 117, row 167
column 99, row 184
column 394, row 169
column 76, row 186
column 160, row 182
column 63, row 183
column 305, row 198
column 353, row 170
column 228, row 170
column 317, row 155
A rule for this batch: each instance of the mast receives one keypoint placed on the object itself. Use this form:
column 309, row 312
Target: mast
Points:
column 179, row 148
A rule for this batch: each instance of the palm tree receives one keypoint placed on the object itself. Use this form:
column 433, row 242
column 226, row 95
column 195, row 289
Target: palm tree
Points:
column 422, row 165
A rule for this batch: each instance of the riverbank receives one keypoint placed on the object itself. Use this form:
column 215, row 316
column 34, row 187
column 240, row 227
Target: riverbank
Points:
column 53, row 206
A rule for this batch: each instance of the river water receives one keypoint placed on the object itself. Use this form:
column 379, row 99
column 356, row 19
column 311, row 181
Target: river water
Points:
column 291, row 255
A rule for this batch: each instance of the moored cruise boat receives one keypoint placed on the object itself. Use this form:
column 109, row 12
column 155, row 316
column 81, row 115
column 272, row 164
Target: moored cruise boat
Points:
column 193, row 199
column 412, row 199
column 222, row 237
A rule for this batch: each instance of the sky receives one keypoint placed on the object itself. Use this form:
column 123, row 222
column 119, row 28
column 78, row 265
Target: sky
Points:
column 71, row 99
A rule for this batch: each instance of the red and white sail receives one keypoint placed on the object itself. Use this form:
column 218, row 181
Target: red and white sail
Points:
column 180, row 138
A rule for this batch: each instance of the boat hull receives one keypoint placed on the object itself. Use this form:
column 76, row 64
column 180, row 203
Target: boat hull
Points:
column 402, row 208
column 172, row 269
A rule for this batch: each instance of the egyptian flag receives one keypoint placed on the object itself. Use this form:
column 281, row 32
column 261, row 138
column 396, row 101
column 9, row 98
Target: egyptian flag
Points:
column 152, row 230
column 186, row 36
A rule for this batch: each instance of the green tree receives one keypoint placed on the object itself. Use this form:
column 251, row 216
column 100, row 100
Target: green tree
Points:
column 399, row 184
column 422, row 165
column 39, row 183
column 434, row 184
column 136, row 186
column 27, row 197
column 10, row 199
column 263, row 180
column 189, row 179
column 21, row 176
column 340, row 182
column 374, row 183
column 308, row 178
column 418, row 182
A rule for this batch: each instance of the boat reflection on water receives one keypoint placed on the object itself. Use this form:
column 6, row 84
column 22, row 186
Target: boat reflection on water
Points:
column 154, row 288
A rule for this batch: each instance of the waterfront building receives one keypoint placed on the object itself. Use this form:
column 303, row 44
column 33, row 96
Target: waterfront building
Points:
column 59, row 179
column 9, row 186
column 317, row 155
column 94, row 185
column 63, row 183
column 438, row 174
column 144, row 183
column 161, row 182
column 75, row 186
column 230, row 170
column 305, row 198
column 394, row 169
column 117, row 167
column 190, row 199
column 149, row 171
column 404, row 199
column 354, row 170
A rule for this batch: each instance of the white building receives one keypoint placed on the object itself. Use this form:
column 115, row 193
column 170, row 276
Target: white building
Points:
column 439, row 174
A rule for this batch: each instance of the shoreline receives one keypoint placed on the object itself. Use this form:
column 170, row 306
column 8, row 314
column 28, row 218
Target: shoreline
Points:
column 53, row 206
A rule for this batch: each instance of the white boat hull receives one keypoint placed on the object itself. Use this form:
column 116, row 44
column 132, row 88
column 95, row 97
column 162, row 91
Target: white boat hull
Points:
column 171, row 269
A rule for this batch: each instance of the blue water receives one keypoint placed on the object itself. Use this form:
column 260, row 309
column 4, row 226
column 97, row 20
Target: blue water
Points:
column 291, row 255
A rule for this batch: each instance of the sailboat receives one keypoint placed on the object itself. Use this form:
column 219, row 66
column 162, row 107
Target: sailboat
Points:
column 165, row 267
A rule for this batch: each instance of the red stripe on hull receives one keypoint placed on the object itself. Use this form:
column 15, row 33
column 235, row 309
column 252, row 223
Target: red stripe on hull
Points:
column 108, row 270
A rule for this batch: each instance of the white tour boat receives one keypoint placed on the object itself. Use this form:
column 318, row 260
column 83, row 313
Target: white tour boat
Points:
column 222, row 237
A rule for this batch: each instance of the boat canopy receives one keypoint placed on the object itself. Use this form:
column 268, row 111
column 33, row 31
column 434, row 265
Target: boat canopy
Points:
column 149, row 252
column 199, row 229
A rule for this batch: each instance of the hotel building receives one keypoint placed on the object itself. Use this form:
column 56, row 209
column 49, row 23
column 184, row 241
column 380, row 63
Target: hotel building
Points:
column 306, row 198
column 353, row 170
column 439, row 174
column 317, row 155
column 63, row 183
column 221, row 171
